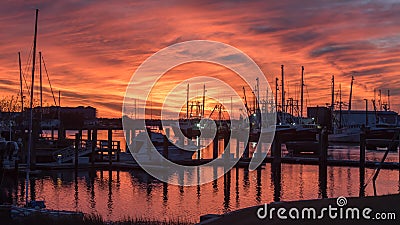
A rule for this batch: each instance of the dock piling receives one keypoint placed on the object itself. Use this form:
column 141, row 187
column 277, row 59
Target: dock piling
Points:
column 362, row 162
column 109, row 147
column 127, row 139
column 276, row 149
column 77, row 142
column 323, row 163
column 227, row 148
column 165, row 147
column 215, row 147
column 246, row 153
column 276, row 168
column 237, row 148
column 94, row 143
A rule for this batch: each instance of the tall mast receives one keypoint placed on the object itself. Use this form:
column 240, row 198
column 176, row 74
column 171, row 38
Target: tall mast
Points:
column 302, row 91
column 340, row 105
column 204, row 100
column 231, row 116
column 31, row 110
column 20, row 82
column 374, row 94
column 258, row 94
column 276, row 93
column 388, row 107
column 351, row 91
column 59, row 105
column 266, row 101
column 380, row 100
column 41, row 87
column 187, row 102
column 333, row 94
column 283, row 92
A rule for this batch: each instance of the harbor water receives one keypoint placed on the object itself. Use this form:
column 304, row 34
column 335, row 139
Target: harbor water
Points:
column 120, row 194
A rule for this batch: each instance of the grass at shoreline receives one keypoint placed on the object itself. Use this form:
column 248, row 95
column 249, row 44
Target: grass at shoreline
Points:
column 86, row 220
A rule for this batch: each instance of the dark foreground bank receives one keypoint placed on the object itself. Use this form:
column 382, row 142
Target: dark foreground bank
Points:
column 367, row 210
column 82, row 220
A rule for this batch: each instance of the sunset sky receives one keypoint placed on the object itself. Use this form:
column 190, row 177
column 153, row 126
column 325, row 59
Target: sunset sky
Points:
column 92, row 48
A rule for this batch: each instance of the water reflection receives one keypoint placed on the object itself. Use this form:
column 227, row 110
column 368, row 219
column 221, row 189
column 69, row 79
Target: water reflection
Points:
column 119, row 194
column 322, row 182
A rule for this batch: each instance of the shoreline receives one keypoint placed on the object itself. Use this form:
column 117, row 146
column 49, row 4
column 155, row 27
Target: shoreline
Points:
column 379, row 204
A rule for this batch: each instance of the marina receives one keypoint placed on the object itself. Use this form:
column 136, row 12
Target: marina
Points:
column 198, row 134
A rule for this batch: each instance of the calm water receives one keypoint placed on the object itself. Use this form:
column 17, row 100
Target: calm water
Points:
column 119, row 194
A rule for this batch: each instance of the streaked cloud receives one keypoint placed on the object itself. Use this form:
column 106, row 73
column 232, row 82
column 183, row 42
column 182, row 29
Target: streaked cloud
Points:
column 92, row 48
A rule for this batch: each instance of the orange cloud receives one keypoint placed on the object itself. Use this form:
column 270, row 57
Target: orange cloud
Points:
column 92, row 48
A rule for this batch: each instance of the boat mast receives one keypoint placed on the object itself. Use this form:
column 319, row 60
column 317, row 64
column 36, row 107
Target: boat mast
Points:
column 41, row 89
column 333, row 94
column 351, row 91
column 204, row 100
column 59, row 106
column 388, row 106
column 276, row 93
column 283, row 94
column 340, row 105
column 20, row 83
column 258, row 94
column 302, row 91
column 333, row 102
column 31, row 110
column 187, row 102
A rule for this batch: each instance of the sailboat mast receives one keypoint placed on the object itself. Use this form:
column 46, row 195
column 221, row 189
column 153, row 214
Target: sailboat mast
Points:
column 333, row 94
column 20, row 82
column 302, row 91
column 283, row 96
column 351, row 92
column 204, row 100
column 258, row 94
column 187, row 102
column 41, row 87
column 31, row 110
column 276, row 93
column 340, row 105
column 388, row 106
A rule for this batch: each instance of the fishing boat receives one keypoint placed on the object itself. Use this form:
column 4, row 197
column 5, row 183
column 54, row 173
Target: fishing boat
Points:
column 8, row 154
column 382, row 136
column 148, row 146
column 189, row 125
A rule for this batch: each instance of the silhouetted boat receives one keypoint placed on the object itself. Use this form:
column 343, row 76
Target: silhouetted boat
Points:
column 144, row 151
